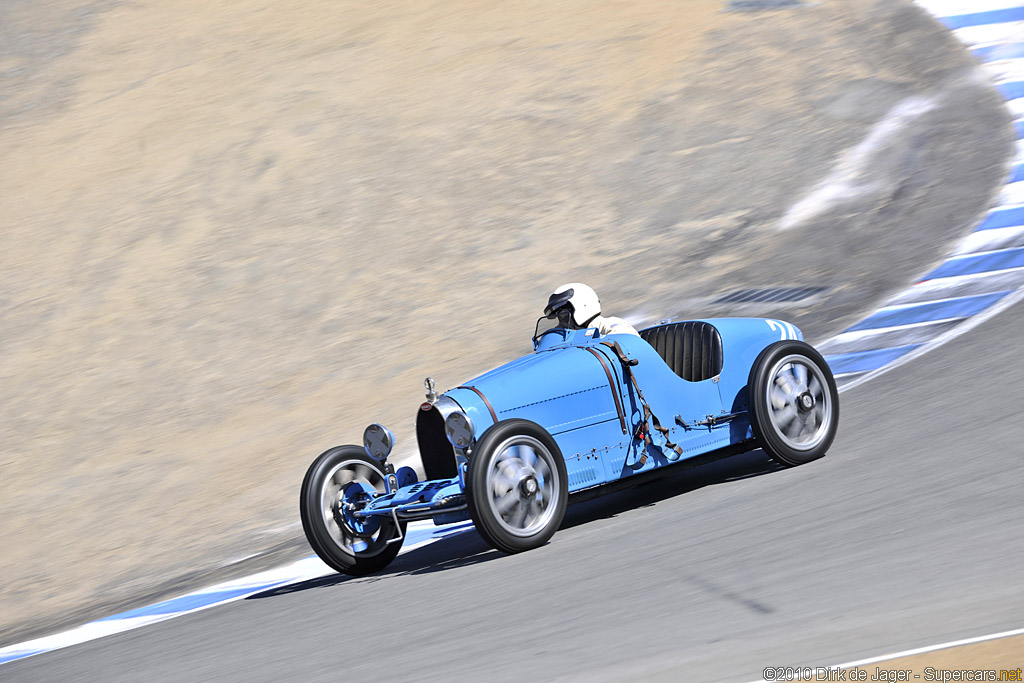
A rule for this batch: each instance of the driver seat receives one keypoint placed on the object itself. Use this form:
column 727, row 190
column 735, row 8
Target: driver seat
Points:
column 693, row 349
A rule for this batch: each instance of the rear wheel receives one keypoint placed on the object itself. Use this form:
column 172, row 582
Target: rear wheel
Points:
column 343, row 477
column 794, row 403
column 517, row 486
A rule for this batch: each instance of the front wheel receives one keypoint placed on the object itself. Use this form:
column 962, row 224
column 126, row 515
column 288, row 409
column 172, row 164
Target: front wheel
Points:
column 517, row 486
column 793, row 402
column 339, row 481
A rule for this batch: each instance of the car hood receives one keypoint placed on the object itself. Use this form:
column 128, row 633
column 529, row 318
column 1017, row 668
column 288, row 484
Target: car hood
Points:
column 560, row 389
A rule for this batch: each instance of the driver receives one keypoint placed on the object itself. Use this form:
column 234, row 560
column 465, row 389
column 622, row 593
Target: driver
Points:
column 577, row 307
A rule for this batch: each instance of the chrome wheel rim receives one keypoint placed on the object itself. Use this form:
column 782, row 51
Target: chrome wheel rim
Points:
column 337, row 486
column 799, row 402
column 522, row 486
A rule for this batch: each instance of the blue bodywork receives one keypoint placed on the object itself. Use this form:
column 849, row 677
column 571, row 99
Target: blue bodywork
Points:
column 564, row 387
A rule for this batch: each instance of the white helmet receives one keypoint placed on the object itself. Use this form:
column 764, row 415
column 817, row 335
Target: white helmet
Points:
column 580, row 300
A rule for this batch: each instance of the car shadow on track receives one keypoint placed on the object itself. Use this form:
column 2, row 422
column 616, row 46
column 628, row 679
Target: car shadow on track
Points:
column 754, row 463
column 451, row 552
column 468, row 548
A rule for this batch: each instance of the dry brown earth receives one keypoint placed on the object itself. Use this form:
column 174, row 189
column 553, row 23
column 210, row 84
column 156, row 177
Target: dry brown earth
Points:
column 234, row 233
column 986, row 661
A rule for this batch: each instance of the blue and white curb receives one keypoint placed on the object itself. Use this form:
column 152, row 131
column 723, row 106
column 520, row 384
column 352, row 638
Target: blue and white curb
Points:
column 985, row 273
column 983, row 276
column 417, row 535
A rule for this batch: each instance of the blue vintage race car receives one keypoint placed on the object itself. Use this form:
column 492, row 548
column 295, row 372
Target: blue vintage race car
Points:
column 581, row 412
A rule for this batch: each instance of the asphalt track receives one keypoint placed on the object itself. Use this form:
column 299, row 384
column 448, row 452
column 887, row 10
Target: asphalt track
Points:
column 907, row 533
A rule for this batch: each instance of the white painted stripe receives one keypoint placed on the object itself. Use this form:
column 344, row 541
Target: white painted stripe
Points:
column 309, row 566
column 1018, row 156
column 303, row 570
column 951, row 8
column 780, row 327
column 933, row 648
column 1012, row 194
column 961, row 257
column 901, row 307
column 944, row 282
column 916, row 651
column 857, row 335
column 986, row 240
column 972, row 284
column 1016, row 108
column 968, row 325
column 890, row 339
column 960, row 286
column 844, row 375
column 82, row 634
column 1005, row 70
column 991, row 34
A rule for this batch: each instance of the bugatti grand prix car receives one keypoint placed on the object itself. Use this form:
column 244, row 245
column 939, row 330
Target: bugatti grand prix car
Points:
column 580, row 413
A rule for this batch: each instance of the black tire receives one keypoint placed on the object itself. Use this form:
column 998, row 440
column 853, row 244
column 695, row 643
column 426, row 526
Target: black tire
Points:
column 336, row 542
column 794, row 404
column 510, row 513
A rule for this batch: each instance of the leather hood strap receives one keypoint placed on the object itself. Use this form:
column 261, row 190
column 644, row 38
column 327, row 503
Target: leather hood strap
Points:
column 483, row 398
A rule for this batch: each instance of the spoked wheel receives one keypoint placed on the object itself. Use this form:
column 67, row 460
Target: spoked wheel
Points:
column 517, row 486
column 794, row 402
column 336, row 483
